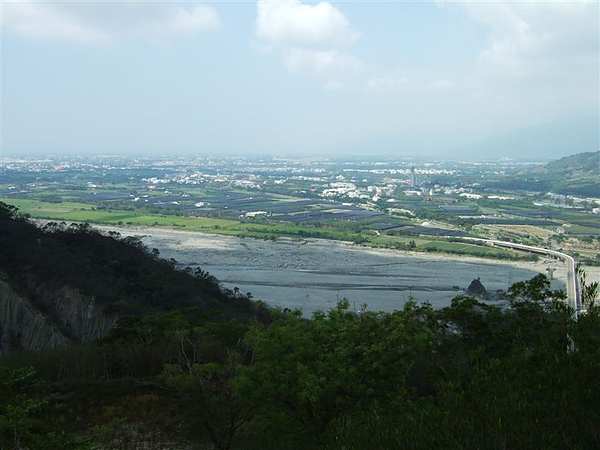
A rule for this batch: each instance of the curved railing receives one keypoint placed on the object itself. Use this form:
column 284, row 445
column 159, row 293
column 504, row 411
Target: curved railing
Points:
column 572, row 286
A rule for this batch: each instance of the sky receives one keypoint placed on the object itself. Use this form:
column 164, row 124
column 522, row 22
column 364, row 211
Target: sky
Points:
column 290, row 77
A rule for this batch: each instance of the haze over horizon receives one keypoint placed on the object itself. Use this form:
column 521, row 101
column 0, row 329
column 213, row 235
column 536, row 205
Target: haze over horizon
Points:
column 288, row 77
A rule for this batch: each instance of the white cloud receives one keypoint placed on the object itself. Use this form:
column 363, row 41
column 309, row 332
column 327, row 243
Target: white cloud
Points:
column 539, row 62
column 46, row 20
column 290, row 23
column 199, row 18
column 311, row 39
column 526, row 37
column 101, row 23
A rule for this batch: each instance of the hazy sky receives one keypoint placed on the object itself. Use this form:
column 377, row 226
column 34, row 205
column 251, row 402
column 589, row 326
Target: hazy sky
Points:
column 275, row 77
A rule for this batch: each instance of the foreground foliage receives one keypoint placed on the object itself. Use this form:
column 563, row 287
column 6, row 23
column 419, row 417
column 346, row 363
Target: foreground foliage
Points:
column 469, row 376
column 472, row 375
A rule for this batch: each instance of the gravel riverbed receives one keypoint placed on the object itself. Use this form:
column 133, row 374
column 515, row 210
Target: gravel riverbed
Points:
column 314, row 274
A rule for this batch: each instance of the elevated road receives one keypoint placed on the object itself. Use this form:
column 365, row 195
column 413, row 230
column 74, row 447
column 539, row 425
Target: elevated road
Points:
column 573, row 293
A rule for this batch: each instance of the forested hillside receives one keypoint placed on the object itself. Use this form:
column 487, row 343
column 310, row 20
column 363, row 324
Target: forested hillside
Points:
column 52, row 267
column 572, row 175
column 186, row 373
column 581, row 163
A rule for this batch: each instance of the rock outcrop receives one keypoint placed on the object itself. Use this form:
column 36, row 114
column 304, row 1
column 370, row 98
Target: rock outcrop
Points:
column 77, row 315
column 477, row 289
column 48, row 318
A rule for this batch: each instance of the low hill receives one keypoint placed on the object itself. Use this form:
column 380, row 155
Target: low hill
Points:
column 65, row 284
column 572, row 175
column 582, row 163
column 577, row 175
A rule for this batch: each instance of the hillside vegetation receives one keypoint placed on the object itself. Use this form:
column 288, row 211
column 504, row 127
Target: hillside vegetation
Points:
column 572, row 175
column 582, row 163
column 121, row 274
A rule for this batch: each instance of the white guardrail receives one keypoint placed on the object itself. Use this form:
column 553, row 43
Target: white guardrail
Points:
column 572, row 286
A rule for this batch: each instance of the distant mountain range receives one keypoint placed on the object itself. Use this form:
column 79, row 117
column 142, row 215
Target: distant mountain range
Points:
column 538, row 143
column 543, row 142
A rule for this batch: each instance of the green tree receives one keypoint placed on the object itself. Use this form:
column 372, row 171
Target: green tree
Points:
column 21, row 426
column 309, row 377
column 208, row 357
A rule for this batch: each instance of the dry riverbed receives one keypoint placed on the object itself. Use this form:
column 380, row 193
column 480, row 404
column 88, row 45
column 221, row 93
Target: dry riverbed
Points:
column 314, row 274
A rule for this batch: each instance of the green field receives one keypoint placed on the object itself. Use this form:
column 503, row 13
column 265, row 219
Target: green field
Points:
column 473, row 250
column 81, row 212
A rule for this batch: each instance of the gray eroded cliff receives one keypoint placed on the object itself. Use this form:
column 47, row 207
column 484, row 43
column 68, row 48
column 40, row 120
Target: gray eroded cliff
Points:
column 48, row 318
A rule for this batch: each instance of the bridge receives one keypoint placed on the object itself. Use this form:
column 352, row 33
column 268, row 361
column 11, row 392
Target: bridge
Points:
column 573, row 294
